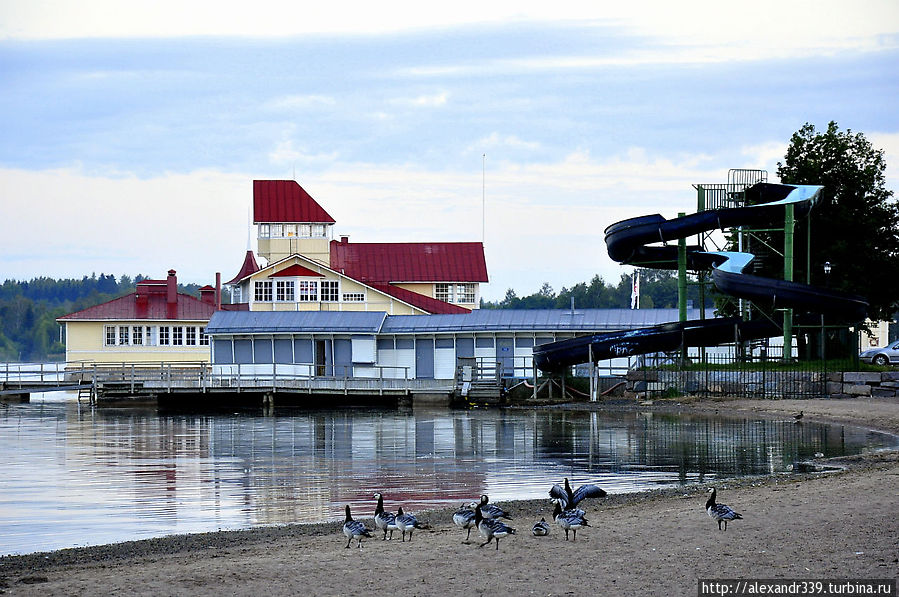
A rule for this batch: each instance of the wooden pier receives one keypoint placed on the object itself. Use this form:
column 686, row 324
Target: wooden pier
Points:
column 198, row 384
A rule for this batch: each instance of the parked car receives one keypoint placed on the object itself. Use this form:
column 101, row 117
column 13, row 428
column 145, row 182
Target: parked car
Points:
column 887, row 355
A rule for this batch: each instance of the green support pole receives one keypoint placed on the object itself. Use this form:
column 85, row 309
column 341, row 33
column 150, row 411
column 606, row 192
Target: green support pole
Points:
column 682, row 286
column 789, row 222
column 682, row 276
column 808, row 249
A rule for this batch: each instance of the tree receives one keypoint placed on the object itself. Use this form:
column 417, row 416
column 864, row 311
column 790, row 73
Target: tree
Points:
column 856, row 225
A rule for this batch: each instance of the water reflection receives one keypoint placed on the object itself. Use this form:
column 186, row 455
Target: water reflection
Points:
column 76, row 475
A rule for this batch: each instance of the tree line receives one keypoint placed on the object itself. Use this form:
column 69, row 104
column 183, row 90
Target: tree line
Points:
column 658, row 290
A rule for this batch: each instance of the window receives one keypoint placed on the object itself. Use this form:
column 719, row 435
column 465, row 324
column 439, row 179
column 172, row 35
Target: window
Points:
column 264, row 231
column 123, row 335
column 263, row 291
column 318, row 230
column 454, row 293
column 354, row 297
column 177, row 335
column 276, row 231
column 164, row 335
column 305, row 230
column 290, row 229
column 235, row 294
column 190, row 335
column 137, row 335
column 330, row 291
column 284, row 290
column 308, row 291
column 464, row 293
column 150, row 337
column 110, row 335
column 204, row 339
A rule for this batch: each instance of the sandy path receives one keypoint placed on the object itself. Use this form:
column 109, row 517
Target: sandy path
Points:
column 656, row 543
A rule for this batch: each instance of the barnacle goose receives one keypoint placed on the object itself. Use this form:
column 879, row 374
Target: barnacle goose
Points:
column 720, row 512
column 354, row 529
column 570, row 499
column 490, row 528
column 407, row 522
column 385, row 521
column 569, row 520
column 464, row 517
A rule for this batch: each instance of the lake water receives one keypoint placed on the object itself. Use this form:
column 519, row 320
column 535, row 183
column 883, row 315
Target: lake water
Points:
column 75, row 475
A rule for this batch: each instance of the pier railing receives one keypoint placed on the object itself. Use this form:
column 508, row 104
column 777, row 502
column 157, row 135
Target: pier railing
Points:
column 146, row 378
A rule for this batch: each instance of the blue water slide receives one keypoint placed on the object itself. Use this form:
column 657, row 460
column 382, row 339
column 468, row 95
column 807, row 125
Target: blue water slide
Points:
column 633, row 241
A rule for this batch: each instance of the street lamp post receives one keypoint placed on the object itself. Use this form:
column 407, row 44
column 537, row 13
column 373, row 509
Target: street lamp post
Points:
column 827, row 269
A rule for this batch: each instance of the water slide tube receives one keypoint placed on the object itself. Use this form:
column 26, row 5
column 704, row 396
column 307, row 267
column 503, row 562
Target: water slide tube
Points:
column 631, row 242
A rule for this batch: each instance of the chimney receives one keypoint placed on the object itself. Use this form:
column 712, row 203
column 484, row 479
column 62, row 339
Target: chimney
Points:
column 207, row 295
column 218, row 291
column 344, row 239
column 171, row 286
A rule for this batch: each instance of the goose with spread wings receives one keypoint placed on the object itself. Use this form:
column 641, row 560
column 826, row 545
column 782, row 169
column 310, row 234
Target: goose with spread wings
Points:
column 568, row 499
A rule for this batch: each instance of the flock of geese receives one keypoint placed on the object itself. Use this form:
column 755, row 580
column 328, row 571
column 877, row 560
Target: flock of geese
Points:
column 488, row 518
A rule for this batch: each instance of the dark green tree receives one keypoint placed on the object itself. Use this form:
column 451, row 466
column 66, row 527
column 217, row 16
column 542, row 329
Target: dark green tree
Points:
column 856, row 225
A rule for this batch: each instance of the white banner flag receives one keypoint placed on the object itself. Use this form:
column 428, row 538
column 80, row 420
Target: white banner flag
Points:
column 635, row 290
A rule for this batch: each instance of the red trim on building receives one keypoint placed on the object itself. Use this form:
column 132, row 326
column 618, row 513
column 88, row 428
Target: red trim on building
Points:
column 296, row 271
column 426, row 303
column 285, row 201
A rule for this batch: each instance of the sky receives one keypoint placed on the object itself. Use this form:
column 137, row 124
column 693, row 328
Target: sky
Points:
column 132, row 131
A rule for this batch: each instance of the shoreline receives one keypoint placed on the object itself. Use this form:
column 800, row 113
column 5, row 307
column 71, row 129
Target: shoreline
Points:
column 206, row 555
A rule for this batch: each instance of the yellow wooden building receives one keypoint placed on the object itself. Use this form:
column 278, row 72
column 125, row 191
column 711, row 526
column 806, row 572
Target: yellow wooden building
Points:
column 155, row 323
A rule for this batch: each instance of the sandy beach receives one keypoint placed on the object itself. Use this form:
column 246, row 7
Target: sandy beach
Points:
column 801, row 526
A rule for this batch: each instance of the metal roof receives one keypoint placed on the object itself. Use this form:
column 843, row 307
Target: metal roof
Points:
column 285, row 201
column 286, row 322
column 410, row 262
column 479, row 320
column 535, row 320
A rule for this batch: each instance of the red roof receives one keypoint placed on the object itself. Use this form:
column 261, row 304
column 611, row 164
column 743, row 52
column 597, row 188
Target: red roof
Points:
column 410, row 262
column 249, row 267
column 296, row 271
column 144, row 305
column 431, row 305
column 285, row 201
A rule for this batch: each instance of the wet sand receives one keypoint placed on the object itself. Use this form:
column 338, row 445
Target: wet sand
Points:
column 812, row 525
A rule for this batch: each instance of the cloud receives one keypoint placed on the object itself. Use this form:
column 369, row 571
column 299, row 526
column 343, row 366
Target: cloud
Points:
column 299, row 102
column 285, row 153
column 691, row 31
column 889, row 143
column 422, row 101
column 541, row 221
column 63, row 222
column 495, row 140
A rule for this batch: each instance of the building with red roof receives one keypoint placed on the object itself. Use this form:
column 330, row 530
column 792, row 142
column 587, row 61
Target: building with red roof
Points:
column 307, row 269
column 152, row 324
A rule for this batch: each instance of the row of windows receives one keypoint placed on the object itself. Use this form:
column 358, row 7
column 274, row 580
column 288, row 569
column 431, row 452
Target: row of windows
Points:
column 292, row 230
column 455, row 293
column 302, row 291
column 328, row 291
column 153, row 335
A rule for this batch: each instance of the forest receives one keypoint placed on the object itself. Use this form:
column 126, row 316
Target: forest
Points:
column 658, row 290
